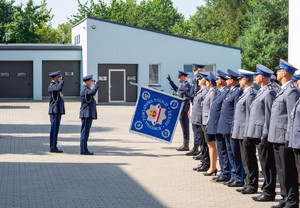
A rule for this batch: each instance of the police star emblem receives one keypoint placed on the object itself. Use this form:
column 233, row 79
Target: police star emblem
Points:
column 156, row 114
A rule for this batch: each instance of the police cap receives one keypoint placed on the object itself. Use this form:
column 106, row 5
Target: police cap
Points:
column 264, row 71
column 55, row 74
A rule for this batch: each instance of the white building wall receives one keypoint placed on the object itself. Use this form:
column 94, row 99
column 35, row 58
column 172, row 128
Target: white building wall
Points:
column 38, row 57
column 109, row 43
column 294, row 33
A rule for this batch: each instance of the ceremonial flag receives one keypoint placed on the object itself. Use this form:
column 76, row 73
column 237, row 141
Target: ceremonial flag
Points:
column 156, row 114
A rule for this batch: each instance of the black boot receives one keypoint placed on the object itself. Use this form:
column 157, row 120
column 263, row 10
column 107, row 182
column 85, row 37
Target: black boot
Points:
column 184, row 147
column 199, row 156
column 194, row 151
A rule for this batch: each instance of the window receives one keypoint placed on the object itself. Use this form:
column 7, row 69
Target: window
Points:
column 210, row 67
column 21, row 74
column 154, row 71
column 4, row 74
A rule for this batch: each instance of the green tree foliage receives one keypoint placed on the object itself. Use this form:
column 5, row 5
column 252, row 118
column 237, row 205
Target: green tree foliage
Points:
column 6, row 16
column 265, row 40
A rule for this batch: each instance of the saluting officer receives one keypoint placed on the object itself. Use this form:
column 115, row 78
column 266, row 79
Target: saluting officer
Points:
column 88, row 111
column 257, row 129
column 214, row 116
column 195, row 84
column 56, row 108
column 183, row 92
column 241, row 117
column 196, row 117
column 225, row 125
column 280, row 119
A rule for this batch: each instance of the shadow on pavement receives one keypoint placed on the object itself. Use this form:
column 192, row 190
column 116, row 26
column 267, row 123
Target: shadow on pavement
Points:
column 45, row 128
column 71, row 185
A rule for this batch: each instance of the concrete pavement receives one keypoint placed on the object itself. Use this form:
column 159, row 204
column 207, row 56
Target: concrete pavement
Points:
column 127, row 170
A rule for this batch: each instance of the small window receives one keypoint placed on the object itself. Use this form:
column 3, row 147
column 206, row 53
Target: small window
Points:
column 154, row 71
column 4, row 74
column 22, row 74
column 69, row 74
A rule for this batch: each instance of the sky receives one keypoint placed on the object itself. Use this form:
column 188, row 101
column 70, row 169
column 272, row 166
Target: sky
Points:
column 65, row 8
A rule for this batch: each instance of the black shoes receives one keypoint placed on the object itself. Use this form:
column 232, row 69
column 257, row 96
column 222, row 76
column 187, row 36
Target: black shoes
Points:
column 198, row 157
column 241, row 189
column 56, row 151
column 249, row 191
column 183, row 148
column 194, row 151
column 203, row 168
column 221, row 179
column 235, row 184
column 280, row 205
column 86, row 153
column 211, row 173
column 196, row 168
column 263, row 198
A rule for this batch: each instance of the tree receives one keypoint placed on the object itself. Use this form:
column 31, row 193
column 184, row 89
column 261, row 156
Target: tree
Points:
column 6, row 16
column 28, row 21
column 265, row 40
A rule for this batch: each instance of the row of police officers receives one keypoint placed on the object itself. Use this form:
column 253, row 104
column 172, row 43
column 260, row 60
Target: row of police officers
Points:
column 231, row 119
column 87, row 114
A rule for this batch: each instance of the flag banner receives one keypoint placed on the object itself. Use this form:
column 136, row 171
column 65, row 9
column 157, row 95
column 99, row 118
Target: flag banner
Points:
column 156, row 114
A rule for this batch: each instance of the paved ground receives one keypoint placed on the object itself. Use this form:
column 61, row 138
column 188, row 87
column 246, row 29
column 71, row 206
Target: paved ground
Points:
column 127, row 170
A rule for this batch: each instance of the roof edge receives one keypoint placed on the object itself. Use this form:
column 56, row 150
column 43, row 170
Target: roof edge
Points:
column 49, row 47
column 156, row 31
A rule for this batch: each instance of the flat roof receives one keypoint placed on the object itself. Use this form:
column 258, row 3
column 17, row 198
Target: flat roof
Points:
column 39, row 47
column 156, row 31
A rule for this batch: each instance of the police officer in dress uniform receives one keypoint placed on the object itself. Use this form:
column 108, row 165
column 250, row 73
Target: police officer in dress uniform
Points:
column 56, row 108
column 88, row 111
column 225, row 129
column 214, row 116
column 257, row 129
column 195, row 87
column 241, row 117
column 183, row 92
column 294, row 141
column 296, row 79
column 280, row 119
column 196, row 117
column 210, row 139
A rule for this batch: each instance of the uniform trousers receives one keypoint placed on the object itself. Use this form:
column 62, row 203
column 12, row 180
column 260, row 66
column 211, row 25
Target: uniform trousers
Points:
column 287, row 174
column 248, row 150
column 237, row 160
column 185, row 126
column 205, row 153
column 223, row 156
column 86, row 124
column 198, row 134
column 55, row 123
column 267, row 162
column 229, row 148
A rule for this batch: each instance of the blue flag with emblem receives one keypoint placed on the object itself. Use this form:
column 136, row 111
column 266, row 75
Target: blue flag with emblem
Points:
column 156, row 114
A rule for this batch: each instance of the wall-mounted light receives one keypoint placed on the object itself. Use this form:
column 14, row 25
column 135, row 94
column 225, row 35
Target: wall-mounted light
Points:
column 93, row 26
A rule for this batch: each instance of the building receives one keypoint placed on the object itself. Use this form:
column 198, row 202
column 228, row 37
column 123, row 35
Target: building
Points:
column 116, row 54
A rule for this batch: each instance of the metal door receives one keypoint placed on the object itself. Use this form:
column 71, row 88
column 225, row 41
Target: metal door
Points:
column 117, row 87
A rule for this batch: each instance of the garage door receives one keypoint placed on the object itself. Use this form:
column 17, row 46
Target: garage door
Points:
column 69, row 69
column 16, row 79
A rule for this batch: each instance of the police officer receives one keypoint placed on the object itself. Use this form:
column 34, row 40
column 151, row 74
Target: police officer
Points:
column 280, row 119
column 195, row 84
column 182, row 92
column 56, row 107
column 296, row 79
column 214, row 116
column 257, row 129
column 225, row 125
column 241, row 117
column 294, row 142
column 209, row 138
column 88, row 111
column 196, row 117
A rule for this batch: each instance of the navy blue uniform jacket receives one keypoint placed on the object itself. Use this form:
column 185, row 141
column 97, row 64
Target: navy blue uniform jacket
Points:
column 88, row 103
column 56, row 104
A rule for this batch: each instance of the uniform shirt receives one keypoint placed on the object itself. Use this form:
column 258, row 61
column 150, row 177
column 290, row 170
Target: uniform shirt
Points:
column 207, row 102
column 88, row 103
column 280, row 114
column 294, row 127
column 242, row 111
column 183, row 90
column 196, row 117
column 215, row 111
column 260, row 113
column 227, row 111
column 56, row 103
